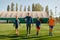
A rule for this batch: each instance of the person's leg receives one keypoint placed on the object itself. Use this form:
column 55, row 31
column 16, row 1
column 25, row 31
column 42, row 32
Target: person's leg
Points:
column 29, row 28
column 17, row 33
column 16, row 28
column 37, row 32
column 50, row 30
column 38, row 28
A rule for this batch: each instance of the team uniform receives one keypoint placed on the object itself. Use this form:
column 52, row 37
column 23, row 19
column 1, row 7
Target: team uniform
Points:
column 16, row 23
column 51, row 25
column 28, row 20
column 38, row 26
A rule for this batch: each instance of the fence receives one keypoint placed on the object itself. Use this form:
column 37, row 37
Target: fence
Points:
column 11, row 20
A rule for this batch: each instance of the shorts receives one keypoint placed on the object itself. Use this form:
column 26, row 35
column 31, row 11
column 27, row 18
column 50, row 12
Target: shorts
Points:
column 16, row 26
column 38, row 28
column 50, row 26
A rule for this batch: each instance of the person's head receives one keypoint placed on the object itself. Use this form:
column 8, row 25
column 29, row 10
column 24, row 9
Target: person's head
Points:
column 16, row 17
column 28, row 14
column 50, row 17
column 38, row 18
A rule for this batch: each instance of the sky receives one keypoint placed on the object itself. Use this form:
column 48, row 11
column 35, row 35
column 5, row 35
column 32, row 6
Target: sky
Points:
column 51, row 4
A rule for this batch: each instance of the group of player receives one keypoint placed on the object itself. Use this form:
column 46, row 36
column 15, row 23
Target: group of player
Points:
column 28, row 20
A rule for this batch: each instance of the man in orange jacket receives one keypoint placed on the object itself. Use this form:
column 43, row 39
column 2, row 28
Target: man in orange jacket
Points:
column 51, row 23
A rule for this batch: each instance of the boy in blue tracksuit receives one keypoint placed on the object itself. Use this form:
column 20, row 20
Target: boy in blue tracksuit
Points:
column 38, row 22
column 16, row 24
column 28, row 20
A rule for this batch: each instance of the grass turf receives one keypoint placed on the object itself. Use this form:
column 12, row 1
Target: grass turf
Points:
column 7, row 32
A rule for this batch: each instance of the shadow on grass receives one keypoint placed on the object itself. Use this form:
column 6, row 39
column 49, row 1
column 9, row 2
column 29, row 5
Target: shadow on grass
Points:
column 12, row 36
column 48, row 38
column 33, row 36
column 7, row 36
column 23, row 36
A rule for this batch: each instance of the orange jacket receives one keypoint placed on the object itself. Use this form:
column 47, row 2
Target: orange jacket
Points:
column 51, row 22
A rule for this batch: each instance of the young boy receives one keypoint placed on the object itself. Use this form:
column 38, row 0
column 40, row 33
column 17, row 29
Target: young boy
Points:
column 51, row 24
column 28, row 20
column 16, row 24
column 38, row 22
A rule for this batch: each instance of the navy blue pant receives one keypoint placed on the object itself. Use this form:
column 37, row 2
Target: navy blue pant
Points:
column 28, row 28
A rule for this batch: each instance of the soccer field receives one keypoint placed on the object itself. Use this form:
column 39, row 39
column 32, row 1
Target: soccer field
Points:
column 7, row 32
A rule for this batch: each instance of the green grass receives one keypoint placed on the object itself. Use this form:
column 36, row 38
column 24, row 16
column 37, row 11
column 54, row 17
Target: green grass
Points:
column 7, row 32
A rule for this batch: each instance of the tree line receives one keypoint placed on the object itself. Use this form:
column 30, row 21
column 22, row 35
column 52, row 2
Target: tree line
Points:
column 35, row 7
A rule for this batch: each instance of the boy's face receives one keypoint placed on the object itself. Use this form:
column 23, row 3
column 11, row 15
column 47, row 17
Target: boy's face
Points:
column 28, row 14
column 51, row 17
column 16, row 17
column 38, row 18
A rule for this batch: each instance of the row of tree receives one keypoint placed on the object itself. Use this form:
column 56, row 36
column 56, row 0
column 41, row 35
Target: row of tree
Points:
column 11, row 8
column 35, row 7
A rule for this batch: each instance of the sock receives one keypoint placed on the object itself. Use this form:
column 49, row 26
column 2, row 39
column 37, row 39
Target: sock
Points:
column 50, row 33
column 37, row 33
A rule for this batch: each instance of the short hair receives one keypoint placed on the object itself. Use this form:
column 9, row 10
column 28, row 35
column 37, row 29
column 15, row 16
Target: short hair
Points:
column 50, row 16
column 28, row 13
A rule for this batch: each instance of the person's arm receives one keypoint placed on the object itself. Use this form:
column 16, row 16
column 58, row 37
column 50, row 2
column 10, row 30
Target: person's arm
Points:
column 13, row 23
column 19, row 22
column 31, row 21
column 54, row 22
column 25, row 19
column 40, row 20
column 48, row 21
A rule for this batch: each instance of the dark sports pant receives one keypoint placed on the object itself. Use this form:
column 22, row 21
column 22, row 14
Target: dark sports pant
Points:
column 28, row 28
column 16, row 27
